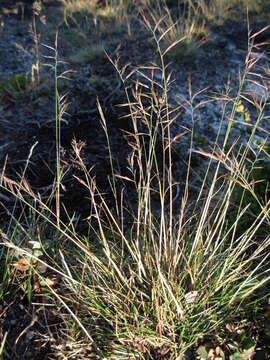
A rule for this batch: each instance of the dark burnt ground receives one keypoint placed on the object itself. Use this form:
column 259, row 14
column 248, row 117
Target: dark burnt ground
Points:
column 27, row 117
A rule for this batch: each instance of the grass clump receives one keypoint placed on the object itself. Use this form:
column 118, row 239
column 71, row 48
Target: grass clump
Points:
column 160, row 271
column 185, row 34
column 87, row 54
column 15, row 88
column 218, row 11
column 98, row 14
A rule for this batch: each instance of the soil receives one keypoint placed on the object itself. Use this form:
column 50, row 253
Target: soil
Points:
column 27, row 117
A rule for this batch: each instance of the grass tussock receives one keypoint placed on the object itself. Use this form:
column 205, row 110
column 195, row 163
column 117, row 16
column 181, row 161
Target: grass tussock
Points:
column 185, row 33
column 87, row 54
column 158, row 274
column 218, row 11
column 100, row 11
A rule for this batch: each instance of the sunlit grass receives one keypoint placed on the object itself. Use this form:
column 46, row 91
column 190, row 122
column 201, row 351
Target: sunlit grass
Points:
column 218, row 11
column 110, row 10
column 153, row 277
column 185, row 33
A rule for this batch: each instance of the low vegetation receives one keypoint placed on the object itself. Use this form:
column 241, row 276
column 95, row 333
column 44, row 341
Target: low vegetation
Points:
column 165, row 269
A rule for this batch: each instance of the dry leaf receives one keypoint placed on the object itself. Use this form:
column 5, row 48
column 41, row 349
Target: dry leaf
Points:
column 36, row 287
column 22, row 264
column 42, row 268
column 50, row 282
column 192, row 297
column 35, row 244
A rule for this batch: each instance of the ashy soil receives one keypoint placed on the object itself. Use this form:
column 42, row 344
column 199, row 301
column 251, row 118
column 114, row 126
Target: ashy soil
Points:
column 27, row 117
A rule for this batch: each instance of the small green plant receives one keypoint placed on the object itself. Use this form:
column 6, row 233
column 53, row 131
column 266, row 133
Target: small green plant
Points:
column 93, row 52
column 15, row 88
column 21, row 262
column 264, row 146
column 254, row 197
column 239, row 108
